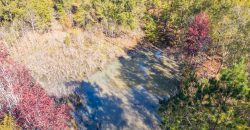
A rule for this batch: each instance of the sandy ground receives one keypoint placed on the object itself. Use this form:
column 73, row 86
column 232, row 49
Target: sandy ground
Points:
column 125, row 95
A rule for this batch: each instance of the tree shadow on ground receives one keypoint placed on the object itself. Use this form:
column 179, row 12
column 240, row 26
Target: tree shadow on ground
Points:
column 102, row 102
column 94, row 111
column 145, row 105
column 152, row 69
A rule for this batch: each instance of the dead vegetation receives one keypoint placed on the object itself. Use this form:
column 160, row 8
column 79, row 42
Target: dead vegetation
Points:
column 210, row 67
column 62, row 55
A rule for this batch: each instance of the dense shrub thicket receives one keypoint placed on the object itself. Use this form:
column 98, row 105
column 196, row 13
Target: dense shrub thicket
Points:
column 36, row 13
column 126, row 13
column 221, row 103
column 77, row 13
column 167, row 22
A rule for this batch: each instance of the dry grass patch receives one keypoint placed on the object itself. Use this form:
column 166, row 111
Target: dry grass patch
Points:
column 59, row 56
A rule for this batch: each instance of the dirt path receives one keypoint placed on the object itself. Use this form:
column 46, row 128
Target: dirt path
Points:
column 125, row 94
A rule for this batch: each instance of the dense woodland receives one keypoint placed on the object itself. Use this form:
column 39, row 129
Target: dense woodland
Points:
column 217, row 30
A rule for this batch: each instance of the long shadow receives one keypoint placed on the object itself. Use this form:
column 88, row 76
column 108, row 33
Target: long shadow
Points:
column 93, row 111
column 146, row 106
column 152, row 69
column 148, row 73
column 152, row 76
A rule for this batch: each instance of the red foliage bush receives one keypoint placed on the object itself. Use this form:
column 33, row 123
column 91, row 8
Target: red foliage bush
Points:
column 197, row 35
column 34, row 109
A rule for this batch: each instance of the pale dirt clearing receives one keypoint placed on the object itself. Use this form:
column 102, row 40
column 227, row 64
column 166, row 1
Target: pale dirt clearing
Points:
column 125, row 95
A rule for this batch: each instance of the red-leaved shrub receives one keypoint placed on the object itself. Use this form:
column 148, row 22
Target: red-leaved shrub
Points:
column 197, row 36
column 34, row 109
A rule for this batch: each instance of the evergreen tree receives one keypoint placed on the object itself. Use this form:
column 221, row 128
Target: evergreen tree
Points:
column 213, row 104
column 37, row 13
